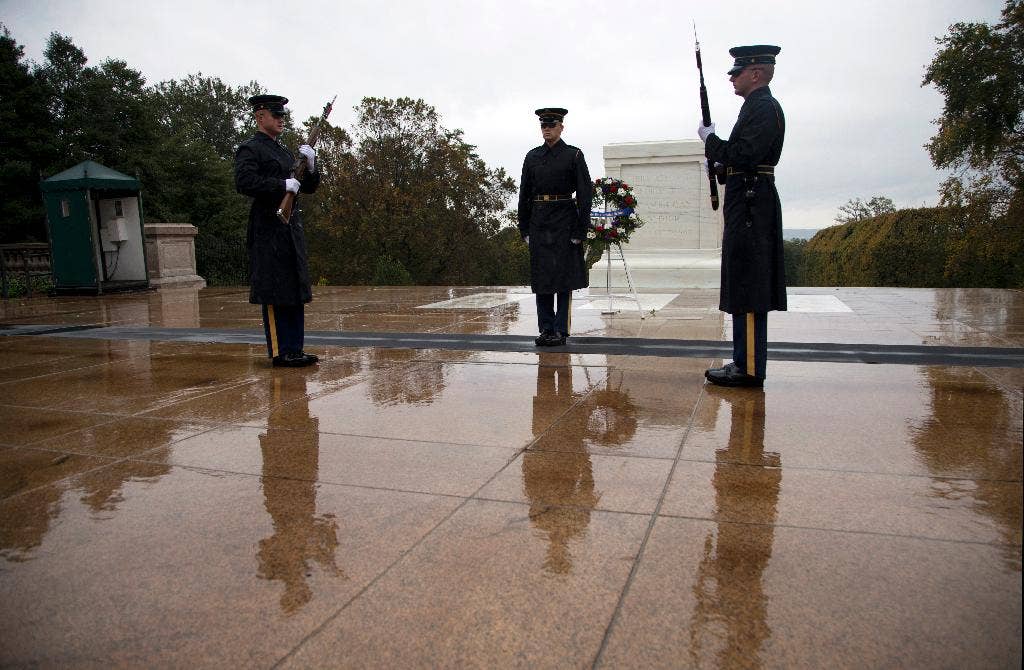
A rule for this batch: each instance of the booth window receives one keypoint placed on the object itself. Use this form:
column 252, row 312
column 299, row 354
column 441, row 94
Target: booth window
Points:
column 65, row 208
column 118, row 210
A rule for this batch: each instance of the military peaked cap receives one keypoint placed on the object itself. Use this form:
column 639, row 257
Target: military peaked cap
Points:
column 272, row 103
column 551, row 113
column 763, row 54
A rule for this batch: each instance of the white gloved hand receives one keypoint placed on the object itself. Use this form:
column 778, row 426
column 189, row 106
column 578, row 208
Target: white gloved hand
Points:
column 704, row 131
column 574, row 241
column 310, row 156
column 292, row 185
column 527, row 240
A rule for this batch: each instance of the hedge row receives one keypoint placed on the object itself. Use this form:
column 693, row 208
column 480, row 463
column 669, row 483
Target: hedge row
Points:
column 928, row 247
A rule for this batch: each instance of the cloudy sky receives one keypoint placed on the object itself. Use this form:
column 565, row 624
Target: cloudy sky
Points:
column 848, row 77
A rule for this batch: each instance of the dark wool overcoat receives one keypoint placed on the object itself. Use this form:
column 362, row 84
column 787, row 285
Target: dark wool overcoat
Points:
column 278, row 266
column 753, row 272
column 556, row 264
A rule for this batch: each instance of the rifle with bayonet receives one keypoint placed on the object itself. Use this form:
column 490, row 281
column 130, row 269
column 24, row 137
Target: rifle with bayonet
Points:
column 705, row 111
column 284, row 212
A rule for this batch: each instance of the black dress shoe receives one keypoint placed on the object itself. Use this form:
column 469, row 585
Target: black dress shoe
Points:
column 299, row 360
column 552, row 339
column 732, row 377
column 542, row 339
column 728, row 367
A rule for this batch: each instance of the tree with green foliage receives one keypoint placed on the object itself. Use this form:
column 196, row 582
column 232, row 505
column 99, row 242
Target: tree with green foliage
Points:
column 102, row 113
column 857, row 210
column 981, row 137
column 411, row 192
column 26, row 134
column 203, row 120
column 793, row 260
column 403, row 199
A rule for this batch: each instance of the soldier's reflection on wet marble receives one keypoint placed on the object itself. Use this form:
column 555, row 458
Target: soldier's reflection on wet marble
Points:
column 573, row 485
column 560, row 488
column 729, row 588
column 301, row 537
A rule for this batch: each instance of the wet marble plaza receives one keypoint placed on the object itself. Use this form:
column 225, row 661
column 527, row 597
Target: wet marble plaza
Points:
column 176, row 501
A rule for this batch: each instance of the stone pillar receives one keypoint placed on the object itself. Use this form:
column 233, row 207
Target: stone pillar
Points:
column 171, row 255
column 680, row 244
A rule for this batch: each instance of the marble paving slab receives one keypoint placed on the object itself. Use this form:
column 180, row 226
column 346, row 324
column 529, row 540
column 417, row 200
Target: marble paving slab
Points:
column 819, row 304
column 478, row 301
column 620, row 302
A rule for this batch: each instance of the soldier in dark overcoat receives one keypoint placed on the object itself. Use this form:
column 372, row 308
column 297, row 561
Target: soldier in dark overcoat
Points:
column 554, row 224
column 278, row 266
column 753, row 274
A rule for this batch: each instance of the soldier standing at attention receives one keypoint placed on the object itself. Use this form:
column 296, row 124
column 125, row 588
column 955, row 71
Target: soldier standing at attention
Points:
column 753, row 275
column 278, row 270
column 554, row 224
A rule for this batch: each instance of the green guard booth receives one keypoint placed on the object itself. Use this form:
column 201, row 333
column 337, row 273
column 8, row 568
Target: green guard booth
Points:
column 97, row 240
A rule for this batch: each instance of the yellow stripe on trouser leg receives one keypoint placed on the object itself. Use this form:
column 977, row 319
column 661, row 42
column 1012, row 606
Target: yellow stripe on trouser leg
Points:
column 751, row 369
column 272, row 327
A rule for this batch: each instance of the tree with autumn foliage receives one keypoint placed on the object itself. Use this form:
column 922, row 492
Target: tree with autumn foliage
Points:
column 981, row 138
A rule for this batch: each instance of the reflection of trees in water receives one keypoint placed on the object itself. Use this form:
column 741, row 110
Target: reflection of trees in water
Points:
column 731, row 608
column 101, row 491
column 568, row 476
column 994, row 312
column 413, row 384
column 396, row 379
column 989, row 458
column 27, row 525
column 301, row 538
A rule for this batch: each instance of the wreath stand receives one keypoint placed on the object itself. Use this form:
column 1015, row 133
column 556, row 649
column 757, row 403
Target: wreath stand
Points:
column 619, row 255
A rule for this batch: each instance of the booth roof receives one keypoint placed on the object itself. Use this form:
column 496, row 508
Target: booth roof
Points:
column 89, row 174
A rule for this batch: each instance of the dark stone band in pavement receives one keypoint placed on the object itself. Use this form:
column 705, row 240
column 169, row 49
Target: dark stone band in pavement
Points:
column 1009, row 357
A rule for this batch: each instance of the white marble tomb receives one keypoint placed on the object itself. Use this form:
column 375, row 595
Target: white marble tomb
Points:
column 680, row 244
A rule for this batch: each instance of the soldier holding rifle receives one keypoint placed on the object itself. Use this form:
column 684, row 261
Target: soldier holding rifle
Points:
column 279, row 274
column 753, row 275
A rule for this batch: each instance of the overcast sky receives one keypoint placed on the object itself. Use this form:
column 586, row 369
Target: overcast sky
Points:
column 848, row 76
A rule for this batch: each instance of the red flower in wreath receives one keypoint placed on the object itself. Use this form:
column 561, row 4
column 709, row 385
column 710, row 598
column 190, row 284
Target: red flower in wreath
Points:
column 629, row 201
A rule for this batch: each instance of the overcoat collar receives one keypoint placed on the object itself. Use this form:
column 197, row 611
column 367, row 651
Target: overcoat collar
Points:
column 260, row 135
column 758, row 92
column 554, row 149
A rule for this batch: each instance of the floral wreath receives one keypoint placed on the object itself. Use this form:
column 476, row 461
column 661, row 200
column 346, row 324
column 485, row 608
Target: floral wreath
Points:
column 613, row 217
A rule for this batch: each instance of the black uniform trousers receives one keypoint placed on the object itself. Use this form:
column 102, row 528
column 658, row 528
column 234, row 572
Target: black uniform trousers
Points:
column 283, row 325
column 548, row 318
column 750, row 342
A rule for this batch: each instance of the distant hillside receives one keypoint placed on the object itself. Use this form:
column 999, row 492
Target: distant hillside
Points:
column 798, row 233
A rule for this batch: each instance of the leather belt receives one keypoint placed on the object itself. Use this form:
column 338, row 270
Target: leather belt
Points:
column 548, row 198
column 761, row 169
